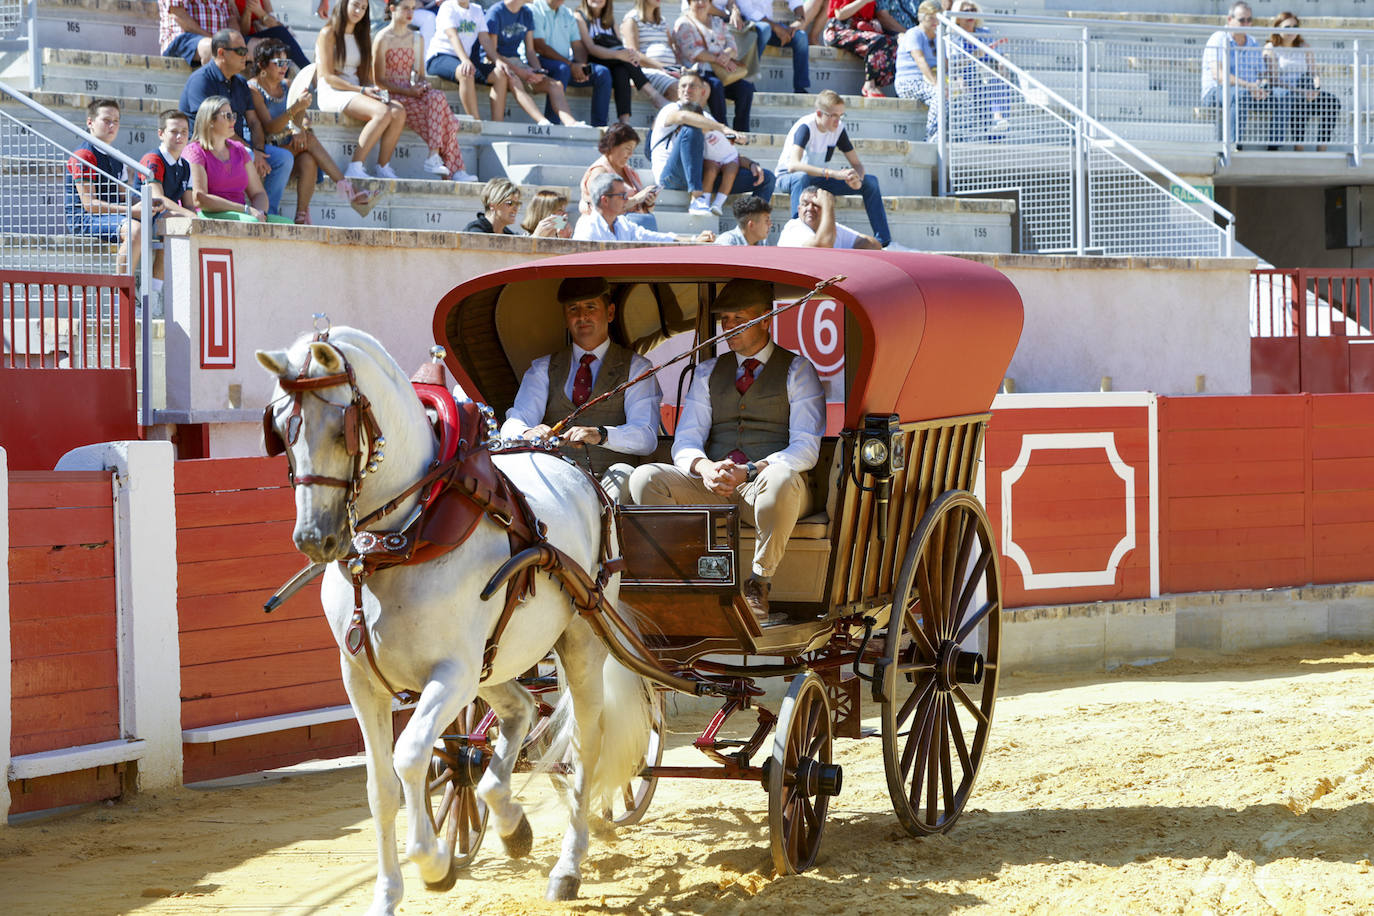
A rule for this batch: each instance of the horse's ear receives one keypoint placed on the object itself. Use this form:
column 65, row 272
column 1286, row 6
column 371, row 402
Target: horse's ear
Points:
column 274, row 361
column 326, row 357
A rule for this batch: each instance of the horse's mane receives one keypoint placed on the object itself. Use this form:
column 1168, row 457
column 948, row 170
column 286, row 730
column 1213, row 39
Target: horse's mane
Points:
column 358, row 341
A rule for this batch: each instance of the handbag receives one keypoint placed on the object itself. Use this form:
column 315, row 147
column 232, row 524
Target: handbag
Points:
column 746, row 66
column 608, row 40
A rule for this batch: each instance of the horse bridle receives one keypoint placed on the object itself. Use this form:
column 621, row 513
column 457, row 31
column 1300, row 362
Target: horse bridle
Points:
column 357, row 413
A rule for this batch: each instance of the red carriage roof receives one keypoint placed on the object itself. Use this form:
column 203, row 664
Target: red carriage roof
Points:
column 937, row 332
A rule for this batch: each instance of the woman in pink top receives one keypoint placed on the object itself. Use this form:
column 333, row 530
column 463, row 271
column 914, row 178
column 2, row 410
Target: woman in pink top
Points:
column 224, row 184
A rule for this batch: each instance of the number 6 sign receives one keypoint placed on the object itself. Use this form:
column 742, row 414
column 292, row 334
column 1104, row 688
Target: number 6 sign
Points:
column 816, row 331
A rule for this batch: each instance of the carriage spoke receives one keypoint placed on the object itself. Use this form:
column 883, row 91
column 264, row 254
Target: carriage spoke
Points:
column 946, row 767
column 980, row 568
column 961, row 533
column 928, row 609
column 957, row 733
column 932, row 774
column 917, row 696
column 445, row 808
column 968, row 703
column 918, row 635
column 920, row 732
column 972, row 623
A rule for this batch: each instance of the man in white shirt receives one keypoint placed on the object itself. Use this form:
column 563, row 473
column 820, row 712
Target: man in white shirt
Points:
column 758, row 15
column 750, row 429
column 1237, row 59
column 606, row 224
column 623, row 425
column 805, row 162
column 755, row 218
column 815, row 226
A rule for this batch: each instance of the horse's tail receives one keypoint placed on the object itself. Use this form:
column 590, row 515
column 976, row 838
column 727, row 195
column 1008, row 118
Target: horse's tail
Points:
column 626, row 720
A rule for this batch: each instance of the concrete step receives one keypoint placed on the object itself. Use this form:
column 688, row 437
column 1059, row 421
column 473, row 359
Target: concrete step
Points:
column 125, row 26
column 56, row 252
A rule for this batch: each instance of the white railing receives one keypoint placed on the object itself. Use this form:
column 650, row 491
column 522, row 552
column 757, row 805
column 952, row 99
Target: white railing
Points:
column 1080, row 186
column 40, row 218
column 1145, row 81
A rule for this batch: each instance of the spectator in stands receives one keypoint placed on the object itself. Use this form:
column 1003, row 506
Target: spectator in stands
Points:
column 989, row 95
column 596, row 21
column 755, row 218
column 344, row 80
column 704, row 42
column 606, row 225
column 169, row 175
column 257, row 23
column 224, row 184
column 1292, row 73
column 806, row 155
column 547, row 216
column 185, row 27
column 677, row 148
column 462, row 24
column 617, row 145
column 853, row 27
column 916, row 65
column 643, row 30
column 898, row 16
column 222, row 77
column 758, row 15
column 558, row 42
column 1234, row 59
column 500, row 207
column 96, row 203
column 815, row 226
column 399, row 52
column 512, row 28
column 288, row 126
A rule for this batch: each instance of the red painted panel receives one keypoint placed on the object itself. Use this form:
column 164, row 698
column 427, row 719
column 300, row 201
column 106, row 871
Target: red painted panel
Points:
column 62, row 635
column 1274, row 365
column 43, row 676
column 1339, row 567
column 1361, row 359
column 1222, row 545
column 51, row 489
column 201, row 612
column 279, row 749
column 259, row 539
column 77, row 710
column 66, row 789
column 215, row 577
column 1197, row 479
column 218, row 315
column 96, row 405
column 1343, row 441
column 235, row 507
column 35, row 600
column 78, row 561
column 1343, row 473
column 1236, row 573
column 1342, row 410
column 244, row 675
column 1231, row 412
column 34, row 527
column 1325, row 364
column 212, row 475
column 262, row 638
column 197, row 712
column 1329, row 508
column 1227, row 512
column 1206, row 446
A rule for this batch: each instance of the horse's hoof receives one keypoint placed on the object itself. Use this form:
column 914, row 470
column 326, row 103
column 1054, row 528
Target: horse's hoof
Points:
column 563, row 888
column 447, row 881
column 520, row 841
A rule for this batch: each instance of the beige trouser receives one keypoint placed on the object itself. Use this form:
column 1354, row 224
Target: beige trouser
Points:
column 614, row 481
column 772, row 503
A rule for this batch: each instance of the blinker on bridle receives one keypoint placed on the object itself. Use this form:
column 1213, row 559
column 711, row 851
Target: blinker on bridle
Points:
column 358, row 412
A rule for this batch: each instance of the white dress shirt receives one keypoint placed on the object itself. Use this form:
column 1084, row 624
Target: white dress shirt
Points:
column 806, row 420
column 638, row 435
column 591, row 227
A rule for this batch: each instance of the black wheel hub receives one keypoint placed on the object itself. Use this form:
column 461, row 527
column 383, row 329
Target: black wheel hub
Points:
column 955, row 666
column 469, row 763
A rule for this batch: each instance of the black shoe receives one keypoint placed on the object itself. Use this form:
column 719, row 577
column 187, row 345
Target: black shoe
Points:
column 755, row 594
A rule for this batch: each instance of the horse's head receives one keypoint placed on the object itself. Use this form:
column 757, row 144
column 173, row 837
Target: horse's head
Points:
column 331, row 432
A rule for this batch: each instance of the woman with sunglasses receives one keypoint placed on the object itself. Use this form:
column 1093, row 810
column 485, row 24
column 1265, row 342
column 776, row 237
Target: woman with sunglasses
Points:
column 1291, row 70
column 500, row 207
column 344, row 80
column 288, row 126
column 224, row 184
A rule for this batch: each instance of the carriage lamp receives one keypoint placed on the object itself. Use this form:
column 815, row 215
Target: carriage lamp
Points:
column 881, row 452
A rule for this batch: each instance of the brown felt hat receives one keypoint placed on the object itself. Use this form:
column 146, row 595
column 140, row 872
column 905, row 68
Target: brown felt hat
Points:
column 575, row 289
column 742, row 294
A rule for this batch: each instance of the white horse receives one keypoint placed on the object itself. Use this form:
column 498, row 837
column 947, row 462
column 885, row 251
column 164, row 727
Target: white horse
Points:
column 428, row 625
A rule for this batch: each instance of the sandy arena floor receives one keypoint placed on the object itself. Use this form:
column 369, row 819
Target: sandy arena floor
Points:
column 1202, row 785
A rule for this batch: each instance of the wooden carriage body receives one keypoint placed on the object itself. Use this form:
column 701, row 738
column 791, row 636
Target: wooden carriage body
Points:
column 927, row 339
column 893, row 580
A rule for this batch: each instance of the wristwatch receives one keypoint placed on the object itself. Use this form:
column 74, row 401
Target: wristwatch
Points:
column 601, row 431
column 751, row 471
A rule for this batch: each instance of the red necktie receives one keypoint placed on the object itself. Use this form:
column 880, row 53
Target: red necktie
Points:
column 582, row 382
column 742, row 383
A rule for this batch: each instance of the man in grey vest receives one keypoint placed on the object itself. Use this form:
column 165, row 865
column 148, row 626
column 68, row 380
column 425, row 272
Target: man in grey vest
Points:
column 555, row 385
column 750, row 429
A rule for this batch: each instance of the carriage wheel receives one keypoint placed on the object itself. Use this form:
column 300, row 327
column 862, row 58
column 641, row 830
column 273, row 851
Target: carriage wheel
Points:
column 799, row 776
column 629, row 806
column 938, row 680
column 460, row 758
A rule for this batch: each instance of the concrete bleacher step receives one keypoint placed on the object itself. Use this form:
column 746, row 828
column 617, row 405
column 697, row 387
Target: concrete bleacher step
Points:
column 37, row 251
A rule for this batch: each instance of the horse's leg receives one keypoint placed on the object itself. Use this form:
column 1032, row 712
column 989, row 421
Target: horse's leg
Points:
column 582, row 655
column 372, row 706
column 515, row 709
column 447, row 692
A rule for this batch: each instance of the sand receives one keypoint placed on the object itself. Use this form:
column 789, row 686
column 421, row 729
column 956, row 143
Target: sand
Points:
column 1202, row 785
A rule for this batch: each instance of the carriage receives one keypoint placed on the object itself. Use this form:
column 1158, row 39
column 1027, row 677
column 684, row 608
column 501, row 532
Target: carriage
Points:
column 890, row 589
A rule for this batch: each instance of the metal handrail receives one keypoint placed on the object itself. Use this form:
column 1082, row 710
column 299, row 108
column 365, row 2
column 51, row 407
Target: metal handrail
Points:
column 146, row 237
column 947, row 22
column 1078, row 21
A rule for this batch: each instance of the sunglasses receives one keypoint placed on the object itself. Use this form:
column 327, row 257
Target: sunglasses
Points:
column 1246, row 20
column 225, row 115
column 280, row 61
column 241, row 52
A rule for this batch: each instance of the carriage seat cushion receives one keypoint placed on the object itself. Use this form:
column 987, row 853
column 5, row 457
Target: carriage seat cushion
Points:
column 813, row 527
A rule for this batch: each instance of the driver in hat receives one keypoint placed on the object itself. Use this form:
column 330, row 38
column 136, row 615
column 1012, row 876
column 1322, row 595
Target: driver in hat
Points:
column 750, row 430
column 553, row 386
